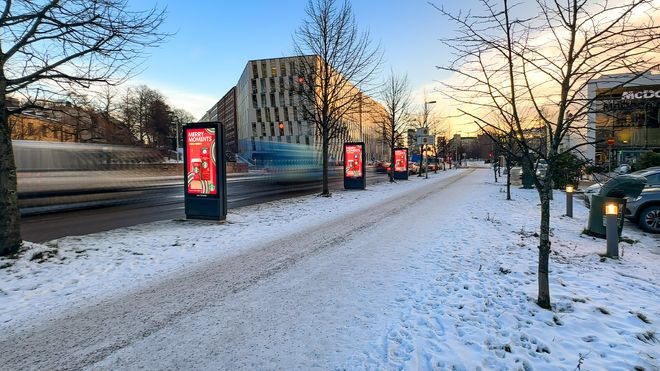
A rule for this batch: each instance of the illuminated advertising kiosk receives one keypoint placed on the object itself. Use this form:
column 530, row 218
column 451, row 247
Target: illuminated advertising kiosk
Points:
column 401, row 163
column 204, row 169
column 354, row 166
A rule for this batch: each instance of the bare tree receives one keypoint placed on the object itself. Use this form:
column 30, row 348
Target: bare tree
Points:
column 49, row 45
column 336, row 65
column 395, row 95
column 508, row 64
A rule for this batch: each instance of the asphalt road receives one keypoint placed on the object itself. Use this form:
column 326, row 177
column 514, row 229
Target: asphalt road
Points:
column 162, row 204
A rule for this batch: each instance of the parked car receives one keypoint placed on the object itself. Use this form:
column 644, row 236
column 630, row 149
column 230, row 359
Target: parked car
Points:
column 541, row 168
column 645, row 210
column 382, row 167
column 413, row 167
column 652, row 175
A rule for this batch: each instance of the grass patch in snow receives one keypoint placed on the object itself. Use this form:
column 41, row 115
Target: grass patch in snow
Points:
column 628, row 240
column 648, row 337
column 603, row 310
column 642, row 317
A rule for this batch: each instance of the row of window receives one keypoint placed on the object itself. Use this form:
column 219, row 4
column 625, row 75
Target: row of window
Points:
column 273, row 68
column 280, row 128
column 299, row 139
column 273, row 101
column 283, row 114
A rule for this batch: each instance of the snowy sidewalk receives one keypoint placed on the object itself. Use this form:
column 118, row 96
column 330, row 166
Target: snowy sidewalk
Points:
column 424, row 274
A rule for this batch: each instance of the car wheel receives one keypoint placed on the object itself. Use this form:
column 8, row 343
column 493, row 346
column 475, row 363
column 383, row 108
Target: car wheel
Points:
column 649, row 219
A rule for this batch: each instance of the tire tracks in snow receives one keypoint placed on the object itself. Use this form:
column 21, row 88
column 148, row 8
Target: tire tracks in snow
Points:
column 89, row 335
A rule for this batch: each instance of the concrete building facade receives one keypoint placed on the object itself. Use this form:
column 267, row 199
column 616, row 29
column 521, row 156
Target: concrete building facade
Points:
column 224, row 111
column 268, row 113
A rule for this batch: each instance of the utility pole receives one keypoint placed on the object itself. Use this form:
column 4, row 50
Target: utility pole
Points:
column 425, row 126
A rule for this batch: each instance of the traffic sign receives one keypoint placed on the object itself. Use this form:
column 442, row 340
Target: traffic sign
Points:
column 610, row 141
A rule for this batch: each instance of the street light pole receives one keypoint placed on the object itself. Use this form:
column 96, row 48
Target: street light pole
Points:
column 421, row 148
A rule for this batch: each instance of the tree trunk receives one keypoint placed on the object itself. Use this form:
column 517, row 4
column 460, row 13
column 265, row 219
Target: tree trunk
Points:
column 508, row 180
column 324, row 140
column 10, row 233
column 544, row 248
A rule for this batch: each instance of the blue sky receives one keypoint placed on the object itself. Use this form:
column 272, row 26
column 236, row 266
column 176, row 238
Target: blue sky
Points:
column 215, row 39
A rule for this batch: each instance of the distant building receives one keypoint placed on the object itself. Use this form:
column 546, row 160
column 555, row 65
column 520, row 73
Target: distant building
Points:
column 627, row 112
column 268, row 110
column 224, row 111
column 62, row 122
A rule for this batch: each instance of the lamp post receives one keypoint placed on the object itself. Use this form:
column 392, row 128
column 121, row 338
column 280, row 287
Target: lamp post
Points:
column 569, row 201
column 421, row 148
column 612, row 229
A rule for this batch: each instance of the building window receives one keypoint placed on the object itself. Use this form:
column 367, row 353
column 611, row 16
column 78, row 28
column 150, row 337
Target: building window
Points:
column 267, row 114
column 272, row 129
column 272, row 100
column 263, row 129
column 273, row 69
column 277, row 114
column 307, row 140
column 282, row 103
column 258, row 114
column 286, row 114
column 263, row 100
column 262, row 82
column 254, row 86
column 295, row 113
column 255, row 104
column 255, row 70
column 254, row 129
column 292, row 67
column 263, row 70
column 282, row 69
column 272, row 84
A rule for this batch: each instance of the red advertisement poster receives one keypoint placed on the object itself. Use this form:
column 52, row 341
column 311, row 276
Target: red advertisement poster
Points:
column 353, row 161
column 400, row 160
column 200, row 147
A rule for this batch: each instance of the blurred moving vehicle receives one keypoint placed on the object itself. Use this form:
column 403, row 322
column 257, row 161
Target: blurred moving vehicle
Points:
column 645, row 209
column 288, row 162
column 52, row 173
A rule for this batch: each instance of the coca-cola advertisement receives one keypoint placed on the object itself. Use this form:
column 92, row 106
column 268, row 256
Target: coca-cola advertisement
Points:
column 200, row 144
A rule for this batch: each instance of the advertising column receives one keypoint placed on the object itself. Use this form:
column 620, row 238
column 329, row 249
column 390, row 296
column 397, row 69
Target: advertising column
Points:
column 205, row 192
column 354, row 166
column 401, row 163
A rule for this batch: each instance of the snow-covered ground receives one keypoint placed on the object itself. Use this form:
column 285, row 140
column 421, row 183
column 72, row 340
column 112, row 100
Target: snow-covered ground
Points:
column 445, row 281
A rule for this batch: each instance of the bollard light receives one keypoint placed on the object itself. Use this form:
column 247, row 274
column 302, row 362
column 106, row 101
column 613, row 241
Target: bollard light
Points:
column 569, row 200
column 611, row 208
column 612, row 229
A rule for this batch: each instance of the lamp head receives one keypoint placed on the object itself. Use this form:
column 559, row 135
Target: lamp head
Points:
column 611, row 208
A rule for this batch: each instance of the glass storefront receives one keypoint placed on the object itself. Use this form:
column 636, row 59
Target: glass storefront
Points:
column 630, row 115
